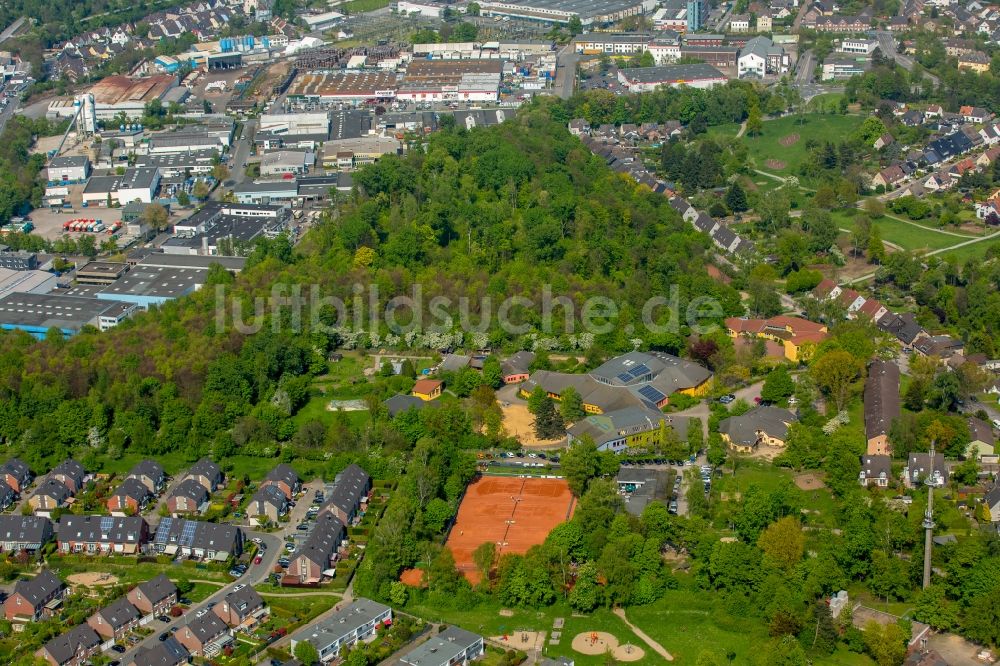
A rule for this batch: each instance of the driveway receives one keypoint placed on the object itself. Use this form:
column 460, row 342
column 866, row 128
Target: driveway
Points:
column 256, row 574
column 701, row 410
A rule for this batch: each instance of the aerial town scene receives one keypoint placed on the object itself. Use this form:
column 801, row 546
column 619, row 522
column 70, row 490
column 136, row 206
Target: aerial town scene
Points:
column 499, row 332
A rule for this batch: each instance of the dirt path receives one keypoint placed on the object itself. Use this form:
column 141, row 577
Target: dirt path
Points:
column 292, row 595
column 926, row 228
column 782, row 179
column 743, row 128
column 620, row 612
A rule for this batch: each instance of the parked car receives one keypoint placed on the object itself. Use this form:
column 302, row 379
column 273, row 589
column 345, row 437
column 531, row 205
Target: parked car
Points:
column 726, row 399
column 120, row 649
column 164, row 636
column 257, row 560
column 673, row 507
column 163, row 618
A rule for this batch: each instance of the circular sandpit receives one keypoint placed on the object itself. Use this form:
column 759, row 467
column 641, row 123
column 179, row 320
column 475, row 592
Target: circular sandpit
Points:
column 628, row 652
column 594, row 642
column 92, row 579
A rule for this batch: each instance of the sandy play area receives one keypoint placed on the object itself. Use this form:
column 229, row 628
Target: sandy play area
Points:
column 92, row 579
column 522, row 640
column 519, row 423
column 809, row 481
column 601, row 642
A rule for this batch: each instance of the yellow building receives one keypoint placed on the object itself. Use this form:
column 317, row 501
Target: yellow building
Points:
column 428, row 389
column 636, row 378
column 798, row 337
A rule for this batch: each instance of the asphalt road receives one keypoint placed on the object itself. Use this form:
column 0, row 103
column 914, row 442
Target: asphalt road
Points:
column 256, row 574
column 804, row 68
column 9, row 111
column 887, row 43
column 566, row 61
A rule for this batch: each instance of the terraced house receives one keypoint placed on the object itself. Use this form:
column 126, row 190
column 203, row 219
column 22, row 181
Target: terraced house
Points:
column 71, row 474
column 630, row 380
column 115, row 620
column 268, row 504
column 150, row 473
column 349, row 492
column 154, row 596
column 33, row 599
column 207, row 473
column 188, row 497
column 204, row 636
column 242, row 609
column 51, row 494
column 197, row 539
column 285, row 478
column 71, row 648
column 343, row 628
column 130, row 498
column 101, row 535
column 316, row 558
column 27, row 533
column 16, row 474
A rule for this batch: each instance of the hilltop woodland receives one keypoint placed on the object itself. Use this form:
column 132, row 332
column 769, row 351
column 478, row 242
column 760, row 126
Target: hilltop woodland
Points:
column 469, row 217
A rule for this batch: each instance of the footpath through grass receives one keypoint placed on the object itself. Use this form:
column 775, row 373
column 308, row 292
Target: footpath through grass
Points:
column 781, row 148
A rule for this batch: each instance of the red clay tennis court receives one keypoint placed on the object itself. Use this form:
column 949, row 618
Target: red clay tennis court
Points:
column 513, row 513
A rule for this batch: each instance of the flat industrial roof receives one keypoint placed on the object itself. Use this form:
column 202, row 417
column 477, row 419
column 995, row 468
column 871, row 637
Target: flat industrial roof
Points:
column 122, row 89
column 156, row 282
column 45, row 311
column 342, row 84
column 191, row 261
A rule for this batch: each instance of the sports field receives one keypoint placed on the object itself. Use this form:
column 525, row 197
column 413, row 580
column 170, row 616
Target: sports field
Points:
column 513, row 513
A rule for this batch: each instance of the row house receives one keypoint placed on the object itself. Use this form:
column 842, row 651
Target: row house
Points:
column 71, row 474
column 349, row 492
column 188, row 497
column 205, row 635
column 71, row 648
column 242, row 609
column 316, row 558
column 150, row 473
column 101, row 535
column 33, row 599
column 16, row 474
column 198, row 540
column 285, row 478
column 206, row 473
column 168, row 652
column 876, row 470
column 130, row 498
column 51, row 494
column 27, row 533
column 355, row 622
column 154, row 596
column 267, row 505
column 115, row 620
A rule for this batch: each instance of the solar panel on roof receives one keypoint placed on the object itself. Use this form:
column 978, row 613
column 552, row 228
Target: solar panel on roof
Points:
column 639, row 370
column 651, row 394
column 163, row 530
column 107, row 522
column 625, row 377
column 187, row 534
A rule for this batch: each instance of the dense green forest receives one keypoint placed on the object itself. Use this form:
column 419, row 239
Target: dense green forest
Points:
column 468, row 217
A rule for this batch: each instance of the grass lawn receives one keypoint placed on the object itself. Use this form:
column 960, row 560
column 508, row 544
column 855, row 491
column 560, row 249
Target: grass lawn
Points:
column 687, row 623
column 130, row 572
column 315, row 410
column 791, row 154
column 819, row 503
column 487, row 621
column 903, row 234
column 973, row 251
column 252, row 466
column 728, row 131
column 202, row 591
column 358, row 6
column 286, row 611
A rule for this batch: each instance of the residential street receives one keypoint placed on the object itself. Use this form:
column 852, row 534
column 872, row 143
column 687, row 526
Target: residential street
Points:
column 254, row 576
